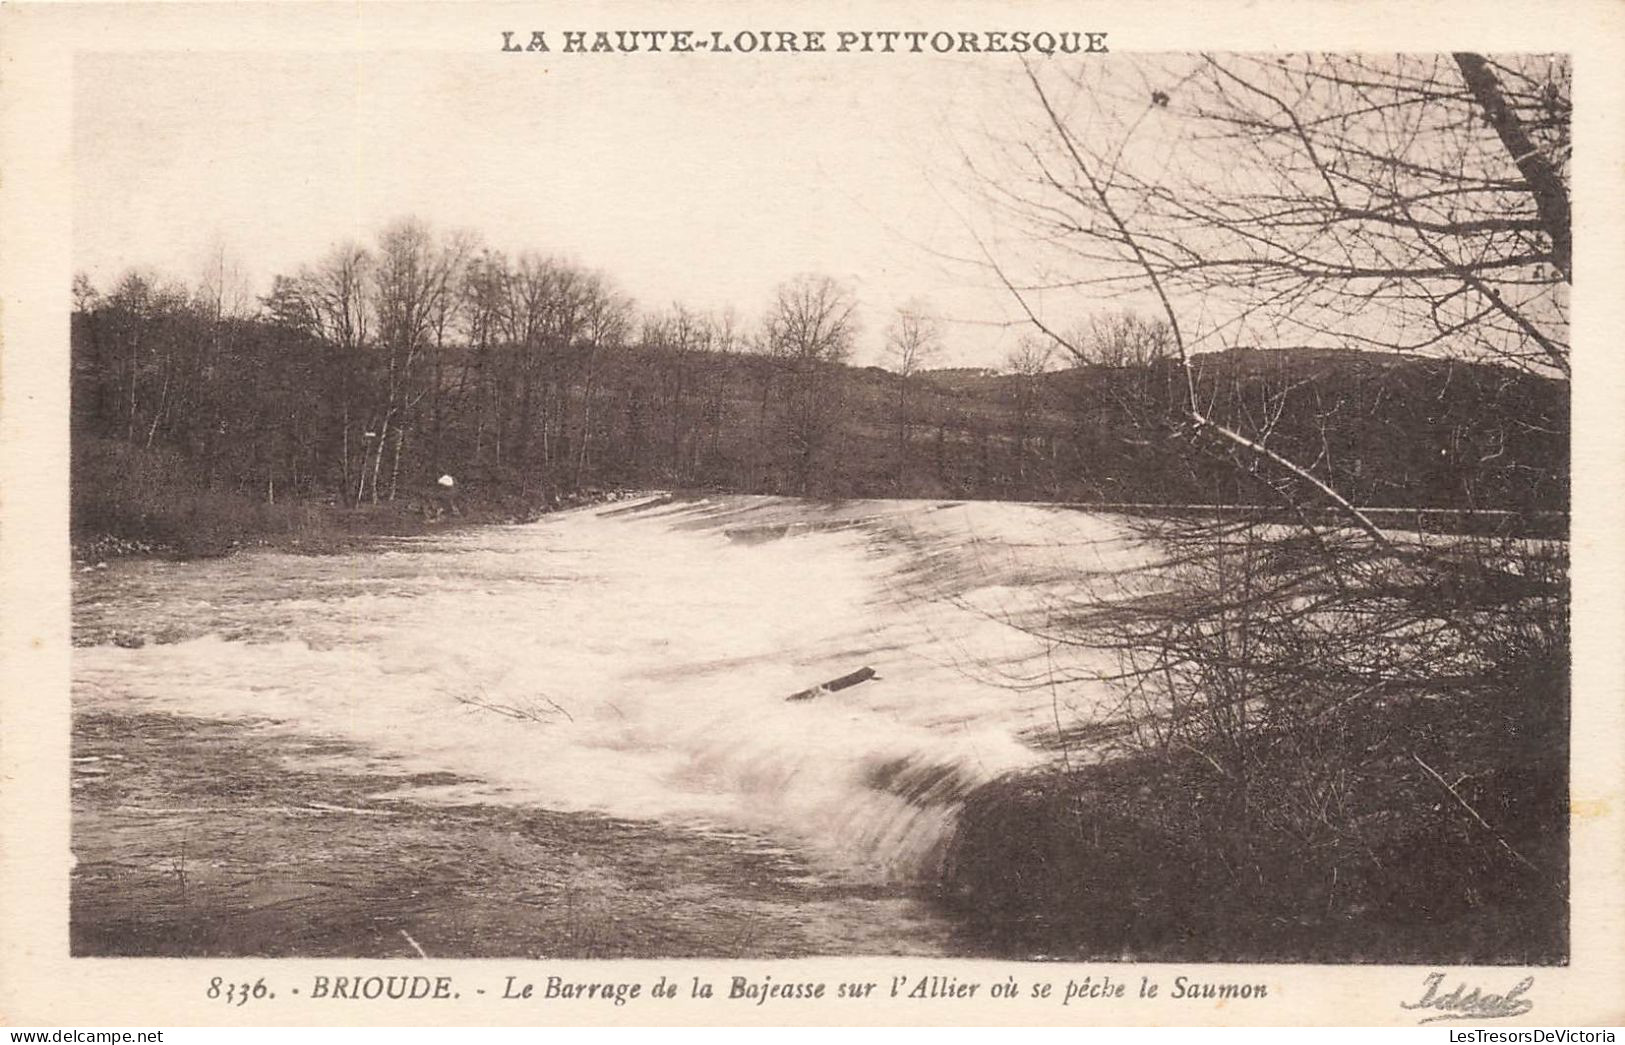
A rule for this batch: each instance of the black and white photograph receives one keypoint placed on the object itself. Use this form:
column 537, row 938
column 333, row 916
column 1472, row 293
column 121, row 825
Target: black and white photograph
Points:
column 757, row 487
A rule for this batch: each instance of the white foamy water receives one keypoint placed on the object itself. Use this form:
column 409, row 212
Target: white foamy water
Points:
column 636, row 663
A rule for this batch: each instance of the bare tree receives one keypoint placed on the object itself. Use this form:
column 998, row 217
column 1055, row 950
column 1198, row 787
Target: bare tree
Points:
column 676, row 337
column 1031, row 356
column 222, row 298
column 1030, row 359
column 223, row 290
column 810, row 328
column 484, row 291
column 1327, row 200
column 1121, row 338
column 141, row 311
column 531, row 316
column 85, row 295
column 723, row 339
column 416, row 276
column 445, row 314
column 813, row 321
column 913, row 341
column 337, row 296
column 608, row 317
column 1410, row 204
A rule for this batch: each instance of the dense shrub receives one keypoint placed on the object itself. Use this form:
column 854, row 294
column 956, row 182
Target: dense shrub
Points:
column 1334, row 753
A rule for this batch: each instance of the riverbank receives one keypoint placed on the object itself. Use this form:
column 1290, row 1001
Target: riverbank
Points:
column 1371, row 770
column 1154, row 859
column 134, row 501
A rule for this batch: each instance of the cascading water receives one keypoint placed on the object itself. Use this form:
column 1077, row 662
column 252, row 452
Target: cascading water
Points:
column 636, row 662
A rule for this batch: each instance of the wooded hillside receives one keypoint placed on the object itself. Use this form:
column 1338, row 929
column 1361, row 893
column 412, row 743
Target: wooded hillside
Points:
column 272, row 409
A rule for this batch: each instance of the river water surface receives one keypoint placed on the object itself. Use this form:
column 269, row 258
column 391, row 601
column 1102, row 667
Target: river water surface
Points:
column 633, row 661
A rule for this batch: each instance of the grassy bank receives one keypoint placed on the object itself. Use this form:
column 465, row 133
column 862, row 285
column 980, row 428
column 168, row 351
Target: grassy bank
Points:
column 1166, row 860
column 132, row 500
column 1330, row 757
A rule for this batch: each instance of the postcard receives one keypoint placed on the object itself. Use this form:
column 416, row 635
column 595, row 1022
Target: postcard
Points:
column 1041, row 514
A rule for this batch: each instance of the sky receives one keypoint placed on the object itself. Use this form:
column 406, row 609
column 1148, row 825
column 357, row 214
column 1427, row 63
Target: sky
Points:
column 707, row 184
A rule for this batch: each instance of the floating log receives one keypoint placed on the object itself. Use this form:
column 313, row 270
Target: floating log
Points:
column 833, row 685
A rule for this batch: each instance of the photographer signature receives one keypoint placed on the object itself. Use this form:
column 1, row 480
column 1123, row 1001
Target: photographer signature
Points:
column 1463, row 1003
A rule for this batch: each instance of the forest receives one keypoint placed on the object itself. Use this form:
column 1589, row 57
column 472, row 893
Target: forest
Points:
column 202, row 417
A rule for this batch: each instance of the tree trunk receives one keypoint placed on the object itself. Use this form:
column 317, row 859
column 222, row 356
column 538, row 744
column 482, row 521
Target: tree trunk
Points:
column 163, row 404
column 586, row 428
column 395, row 469
column 1545, row 184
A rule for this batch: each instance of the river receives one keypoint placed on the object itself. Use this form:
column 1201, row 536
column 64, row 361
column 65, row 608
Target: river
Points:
column 632, row 661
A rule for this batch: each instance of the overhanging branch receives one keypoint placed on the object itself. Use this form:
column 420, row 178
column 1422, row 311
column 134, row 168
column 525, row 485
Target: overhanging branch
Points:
column 1193, row 410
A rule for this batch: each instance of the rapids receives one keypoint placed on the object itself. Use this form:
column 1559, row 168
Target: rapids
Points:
column 634, row 660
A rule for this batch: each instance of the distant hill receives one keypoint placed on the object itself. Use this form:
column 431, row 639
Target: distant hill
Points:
column 1381, row 428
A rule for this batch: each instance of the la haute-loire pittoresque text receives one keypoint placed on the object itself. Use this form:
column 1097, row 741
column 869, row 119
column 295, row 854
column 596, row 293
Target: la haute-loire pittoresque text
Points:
column 803, row 41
